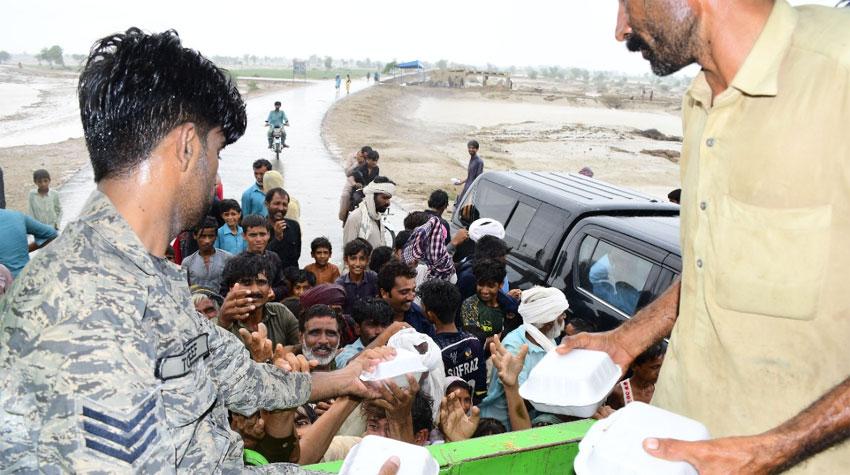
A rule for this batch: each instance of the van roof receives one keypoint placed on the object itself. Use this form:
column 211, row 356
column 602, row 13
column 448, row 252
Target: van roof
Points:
column 660, row 231
column 579, row 194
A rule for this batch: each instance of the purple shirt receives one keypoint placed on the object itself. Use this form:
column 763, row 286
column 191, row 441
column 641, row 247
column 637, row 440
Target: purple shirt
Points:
column 366, row 288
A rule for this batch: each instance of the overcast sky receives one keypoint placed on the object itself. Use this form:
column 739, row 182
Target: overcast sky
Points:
column 527, row 32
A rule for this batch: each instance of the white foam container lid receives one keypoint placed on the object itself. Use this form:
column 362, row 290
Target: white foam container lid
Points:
column 614, row 445
column 367, row 457
column 405, row 362
column 575, row 384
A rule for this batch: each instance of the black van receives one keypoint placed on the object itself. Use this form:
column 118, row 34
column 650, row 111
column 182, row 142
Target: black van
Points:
column 610, row 249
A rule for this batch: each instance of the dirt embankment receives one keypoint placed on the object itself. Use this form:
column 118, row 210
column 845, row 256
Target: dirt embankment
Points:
column 421, row 134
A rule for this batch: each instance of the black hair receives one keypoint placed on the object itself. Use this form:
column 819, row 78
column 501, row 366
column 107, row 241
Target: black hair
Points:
column 423, row 416
column 380, row 256
column 254, row 221
column 440, row 297
column 415, row 219
column 277, row 103
column 320, row 310
column 651, row 353
column 227, row 205
column 136, row 87
column 489, row 426
column 320, row 242
column 675, row 195
column 244, row 266
column 491, row 247
column 439, row 199
column 382, row 179
column 372, row 309
column 365, row 149
column 372, row 155
column 489, row 271
column 354, row 247
column 401, row 239
column 582, row 326
column 39, row 174
column 392, row 269
column 207, row 222
column 295, row 276
column 276, row 191
column 473, row 144
column 262, row 162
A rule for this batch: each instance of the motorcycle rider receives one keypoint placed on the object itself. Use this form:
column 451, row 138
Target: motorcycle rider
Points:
column 277, row 118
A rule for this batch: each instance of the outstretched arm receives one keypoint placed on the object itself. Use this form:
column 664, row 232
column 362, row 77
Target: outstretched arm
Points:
column 820, row 426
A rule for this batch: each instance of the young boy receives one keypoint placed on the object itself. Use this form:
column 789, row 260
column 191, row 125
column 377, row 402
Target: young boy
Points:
column 485, row 313
column 300, row 280
column 230, row 237
column 205, row 266
column 359, row 282
column 256, row 230
column 463, row 355
column 325, row 272
column 43, row 202
column 372, row 316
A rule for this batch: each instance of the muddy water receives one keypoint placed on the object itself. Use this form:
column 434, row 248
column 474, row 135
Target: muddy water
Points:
column 311, row 174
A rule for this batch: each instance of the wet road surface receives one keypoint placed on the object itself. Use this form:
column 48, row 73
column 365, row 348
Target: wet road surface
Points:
column 311, row 174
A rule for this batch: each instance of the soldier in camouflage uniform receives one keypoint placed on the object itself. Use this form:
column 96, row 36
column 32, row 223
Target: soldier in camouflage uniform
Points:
column 104, row 363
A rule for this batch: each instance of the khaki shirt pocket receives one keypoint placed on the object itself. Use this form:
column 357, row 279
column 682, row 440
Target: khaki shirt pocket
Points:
column 769, row 261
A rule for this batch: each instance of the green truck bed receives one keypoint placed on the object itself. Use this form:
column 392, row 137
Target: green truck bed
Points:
column 543, row 450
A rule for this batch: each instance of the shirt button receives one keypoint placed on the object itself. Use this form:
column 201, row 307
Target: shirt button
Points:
column 699, row 263
column 702, row 205
column 710, row 141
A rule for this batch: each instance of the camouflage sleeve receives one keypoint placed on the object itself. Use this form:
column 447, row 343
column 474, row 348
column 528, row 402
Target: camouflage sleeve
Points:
column 247, row 386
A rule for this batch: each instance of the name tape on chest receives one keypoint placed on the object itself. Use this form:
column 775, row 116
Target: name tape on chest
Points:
column 175, row 366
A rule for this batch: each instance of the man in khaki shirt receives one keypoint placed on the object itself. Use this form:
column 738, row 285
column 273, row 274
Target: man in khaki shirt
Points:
column 762, row 314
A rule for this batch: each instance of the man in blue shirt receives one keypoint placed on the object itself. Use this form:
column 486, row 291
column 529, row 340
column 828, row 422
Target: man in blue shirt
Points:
column 254, row 198
column 543, row 312
column 14, row 246
column 277, row 118
column 397, row 285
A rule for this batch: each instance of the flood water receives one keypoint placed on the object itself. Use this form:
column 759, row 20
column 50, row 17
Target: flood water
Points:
column 312, row 175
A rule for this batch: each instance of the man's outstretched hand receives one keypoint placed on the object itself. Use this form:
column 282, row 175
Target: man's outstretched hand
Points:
column 611, row 342
column 739, row 455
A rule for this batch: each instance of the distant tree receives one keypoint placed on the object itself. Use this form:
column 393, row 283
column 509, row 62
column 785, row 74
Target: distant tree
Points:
column 4, row 56
column 329, row 62
column 389, row 67
column 51, row 56
column 532, row 73
column 442, row 64
column 79, row 58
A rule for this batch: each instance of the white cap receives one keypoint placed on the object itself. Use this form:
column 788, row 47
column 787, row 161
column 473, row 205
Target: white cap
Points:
column 486, row 227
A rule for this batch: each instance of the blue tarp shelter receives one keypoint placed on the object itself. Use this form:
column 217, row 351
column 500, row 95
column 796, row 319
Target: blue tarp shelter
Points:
column 410, row 65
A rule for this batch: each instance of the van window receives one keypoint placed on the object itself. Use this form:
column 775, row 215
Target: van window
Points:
column 542, row 236
column 486, row 200
column 613, row 275
column 518, row 224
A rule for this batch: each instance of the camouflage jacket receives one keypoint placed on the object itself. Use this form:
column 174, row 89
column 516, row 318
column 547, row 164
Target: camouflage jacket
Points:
column 105, row 365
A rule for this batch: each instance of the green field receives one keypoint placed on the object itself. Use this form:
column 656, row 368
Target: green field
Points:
column 356, row 73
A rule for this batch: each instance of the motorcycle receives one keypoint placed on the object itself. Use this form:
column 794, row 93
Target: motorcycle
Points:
column 278, row 135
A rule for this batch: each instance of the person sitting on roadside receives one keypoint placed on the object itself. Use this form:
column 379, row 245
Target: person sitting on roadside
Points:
column 462, row 352
column 204, row 266
column 229, row 237
column 321, row 252
column 257, row 232
column 359, row 282
column 488, row 312
column 543, row 313
column 372, row 316
column 251, row 271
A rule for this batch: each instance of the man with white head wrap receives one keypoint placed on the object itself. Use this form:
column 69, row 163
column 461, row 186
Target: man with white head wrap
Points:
column 486, row 227
column 434, row 383
column 367, row 220
column 543, row 315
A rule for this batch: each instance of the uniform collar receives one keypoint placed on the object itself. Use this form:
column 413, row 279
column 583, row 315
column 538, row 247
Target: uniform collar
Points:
column 101, row 216
column 759, row 74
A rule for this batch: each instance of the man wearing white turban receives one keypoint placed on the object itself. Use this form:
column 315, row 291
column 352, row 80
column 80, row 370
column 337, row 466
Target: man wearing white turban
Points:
column 367, row 220
column 543, row 311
